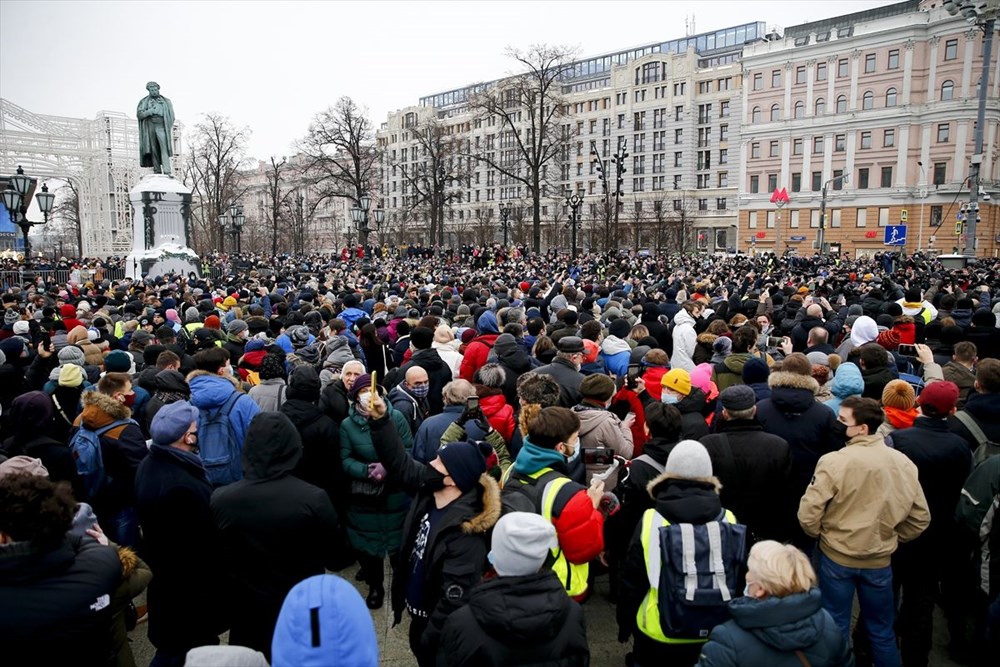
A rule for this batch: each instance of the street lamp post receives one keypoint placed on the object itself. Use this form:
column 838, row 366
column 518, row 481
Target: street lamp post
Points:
column 359, row 216
column 575, row 202
column 845, row 177
column 17, row 198
column 922, row 191
column 505, row 221
column 236, row 221
column 618, row 160
column 983, row 15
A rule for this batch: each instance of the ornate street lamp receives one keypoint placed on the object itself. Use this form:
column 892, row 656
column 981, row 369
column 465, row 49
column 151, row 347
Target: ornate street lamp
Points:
column 505, row 221
column 17, row 198
column 575, row 203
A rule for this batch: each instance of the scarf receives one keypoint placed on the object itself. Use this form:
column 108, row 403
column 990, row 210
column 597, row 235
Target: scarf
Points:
column 899, row 417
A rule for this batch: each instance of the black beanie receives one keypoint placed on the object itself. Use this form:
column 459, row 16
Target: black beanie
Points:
column 464, row 462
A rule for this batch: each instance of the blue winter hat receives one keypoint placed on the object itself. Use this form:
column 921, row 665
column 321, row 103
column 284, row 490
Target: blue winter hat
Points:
column 172, row 421
column 464, row 462
column 324, row 622
column 755, row 371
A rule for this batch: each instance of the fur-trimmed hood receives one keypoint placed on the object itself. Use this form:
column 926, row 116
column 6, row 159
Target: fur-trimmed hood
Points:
column 683, row 500
column 706, row 338
column 100, row 409
column 128, row 559
column 792, row 381
column 487, row 518
column 712, row 481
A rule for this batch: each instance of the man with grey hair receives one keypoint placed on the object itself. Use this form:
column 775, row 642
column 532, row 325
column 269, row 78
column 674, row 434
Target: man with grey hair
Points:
column 427, row 439
column 333, row 400
column 410, row 397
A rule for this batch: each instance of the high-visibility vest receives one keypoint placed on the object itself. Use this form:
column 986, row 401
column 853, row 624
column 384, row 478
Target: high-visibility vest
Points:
column 573, row 576
column 647, row 618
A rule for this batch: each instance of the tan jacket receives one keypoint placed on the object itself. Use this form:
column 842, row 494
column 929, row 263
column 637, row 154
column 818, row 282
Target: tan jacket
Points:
column 863, row 500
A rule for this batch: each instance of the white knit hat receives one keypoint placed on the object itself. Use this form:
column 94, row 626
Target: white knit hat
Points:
column 689, row 460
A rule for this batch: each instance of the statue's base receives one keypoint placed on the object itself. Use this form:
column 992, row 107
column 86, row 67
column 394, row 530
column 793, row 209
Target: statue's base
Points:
column 166, row 259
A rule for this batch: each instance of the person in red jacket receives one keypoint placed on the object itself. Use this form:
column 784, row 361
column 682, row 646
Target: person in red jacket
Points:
column 68, row 314
column 538, row 482
column 489, row 387
column 478, row 350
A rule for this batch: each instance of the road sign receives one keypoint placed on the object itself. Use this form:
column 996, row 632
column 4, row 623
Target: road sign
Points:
column 797, row 238
column 903, row 215
column 895, row 235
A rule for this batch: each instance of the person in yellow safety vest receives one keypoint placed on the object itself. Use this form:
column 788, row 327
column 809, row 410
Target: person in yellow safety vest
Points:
column 538, row 482
column 686, row 492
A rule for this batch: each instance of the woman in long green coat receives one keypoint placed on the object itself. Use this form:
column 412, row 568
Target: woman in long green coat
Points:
column 377, row 507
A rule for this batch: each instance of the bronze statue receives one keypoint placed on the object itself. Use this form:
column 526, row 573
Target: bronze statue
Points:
column 156, row 123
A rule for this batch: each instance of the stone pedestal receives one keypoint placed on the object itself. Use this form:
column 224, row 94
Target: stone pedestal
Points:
column 161, row 228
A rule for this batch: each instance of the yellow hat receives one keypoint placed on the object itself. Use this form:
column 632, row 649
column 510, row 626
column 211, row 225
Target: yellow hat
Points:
column 678, row 380
column 228, row 303
column 70, row 375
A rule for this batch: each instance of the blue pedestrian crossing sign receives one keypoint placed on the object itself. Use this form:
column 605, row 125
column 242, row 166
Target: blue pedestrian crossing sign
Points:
column 895, row 235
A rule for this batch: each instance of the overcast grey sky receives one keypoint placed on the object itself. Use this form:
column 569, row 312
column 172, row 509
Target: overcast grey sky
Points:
column 273, row 65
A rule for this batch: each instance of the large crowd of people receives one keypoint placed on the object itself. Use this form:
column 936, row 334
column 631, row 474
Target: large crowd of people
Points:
column 740, row 445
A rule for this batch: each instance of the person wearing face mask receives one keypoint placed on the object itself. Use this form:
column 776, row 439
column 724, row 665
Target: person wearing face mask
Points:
column 780, row 620
column 376, row 507
column 123, row 447
column 409, row 397
column 172, row 498
column 538, row 482
column 676, row 390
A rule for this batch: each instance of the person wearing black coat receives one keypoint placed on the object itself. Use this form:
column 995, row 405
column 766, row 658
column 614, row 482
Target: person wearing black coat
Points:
column 169, row 386
column 55, row 588
column 983, row 405
column 320, row 464
column 810, row 428
column 31, row 428
column 515, row 362
column 172, row 499
column 276, row 530
column 438, row 372
column 753, row 466
column 523, row 616
column 445, row 534
column 944, row 462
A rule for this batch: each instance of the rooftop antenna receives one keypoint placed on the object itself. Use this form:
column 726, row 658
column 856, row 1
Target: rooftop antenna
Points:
column 689, row 28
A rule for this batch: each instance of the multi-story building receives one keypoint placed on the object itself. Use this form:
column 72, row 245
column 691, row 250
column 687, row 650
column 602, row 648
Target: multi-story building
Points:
column 307, row 223
column 674, row 105
column 886, row 99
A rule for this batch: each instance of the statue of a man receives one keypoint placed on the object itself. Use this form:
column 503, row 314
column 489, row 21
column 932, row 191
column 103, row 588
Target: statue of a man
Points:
column 156, row 122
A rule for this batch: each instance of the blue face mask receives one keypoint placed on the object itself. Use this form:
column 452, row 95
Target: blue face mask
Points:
column 668, row 398
column 746, row 591
column 420, row 391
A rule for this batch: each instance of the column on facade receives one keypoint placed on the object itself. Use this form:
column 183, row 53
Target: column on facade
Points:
column 968, row 76
column 907, row 72
column 963, row 130
column 852, row 96
column 810, row 80
column 789, row 77
column 932, row 59
column 902, row 150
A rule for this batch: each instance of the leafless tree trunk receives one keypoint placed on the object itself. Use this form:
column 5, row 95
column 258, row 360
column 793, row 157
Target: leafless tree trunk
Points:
column 484, row 229
column 216, row 157
column 277, row 197
column 528, row 108
column 67, row 210
column 341, row 158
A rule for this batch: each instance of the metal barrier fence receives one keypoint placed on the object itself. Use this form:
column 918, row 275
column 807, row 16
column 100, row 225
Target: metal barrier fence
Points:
column 60, row 276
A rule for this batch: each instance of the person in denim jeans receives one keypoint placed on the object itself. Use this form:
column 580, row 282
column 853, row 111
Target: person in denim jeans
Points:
column 862, row 502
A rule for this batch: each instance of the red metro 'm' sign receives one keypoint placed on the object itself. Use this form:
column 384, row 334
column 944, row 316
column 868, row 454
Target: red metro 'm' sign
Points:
column 780, row 197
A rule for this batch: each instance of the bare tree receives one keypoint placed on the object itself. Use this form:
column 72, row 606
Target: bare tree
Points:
column 484, row 228
column 659, row 220
column 433, row 182
column 681, row 219
column 212, row 170
column 341, row 159
column 528, row 108
column 67, row 211
column 638, row 217
column 277, row 197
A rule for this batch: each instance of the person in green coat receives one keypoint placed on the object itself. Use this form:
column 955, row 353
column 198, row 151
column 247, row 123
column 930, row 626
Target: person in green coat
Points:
column 377, row 507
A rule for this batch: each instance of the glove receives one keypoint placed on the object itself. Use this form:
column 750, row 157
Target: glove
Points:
column 483, row 423
column 376, row 472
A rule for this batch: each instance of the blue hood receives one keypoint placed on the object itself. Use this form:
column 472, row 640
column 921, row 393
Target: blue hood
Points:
column 340, row 632
column 788, row 623
column 847, row 381
column 210, row 391
column 487, row 323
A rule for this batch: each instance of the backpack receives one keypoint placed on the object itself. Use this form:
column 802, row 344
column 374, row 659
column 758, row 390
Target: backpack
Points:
column 86, row 447
column 696, row 571
column 986, row 448
column 219, row 446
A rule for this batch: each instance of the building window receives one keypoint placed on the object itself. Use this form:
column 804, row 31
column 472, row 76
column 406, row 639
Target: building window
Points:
column 944, row 133
column 775, row 112
column 866, row 140
column 724, row 132
column 754, row 184
column 893, row 59
column 838, row 185
column 886, row 177
column 723, row 109
column 842, row 104
column 774, row 149
column 814, row 218
column 939, row 172
column 797, row 181
column 758, row 81
column 869, row 63
column 723, row 179
column 868, row 100
column 840, row 143
column 797, row 146
column 755, row 150
column 883, row 216
column 863, row 178
column 821, row 71
column 862, row 219
column 936, row 214
column 776, row 78
column 817, row 181
column 677, row 181
column 678, row 112
column 951, row 49
column 771, row 219
column 842, row 68
column 772, row 182
column 720, row 203
column 723, row 156
column 752, row 219
column 679, row 136
column 793, row 219
column 755, row 115
column 947, row 91
column 800, row 109
column 820, row 107
column 890, row 97
column 678, row 159
column 800, row 74
column 817, row 145
column 702, row 204
column 889, row 139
